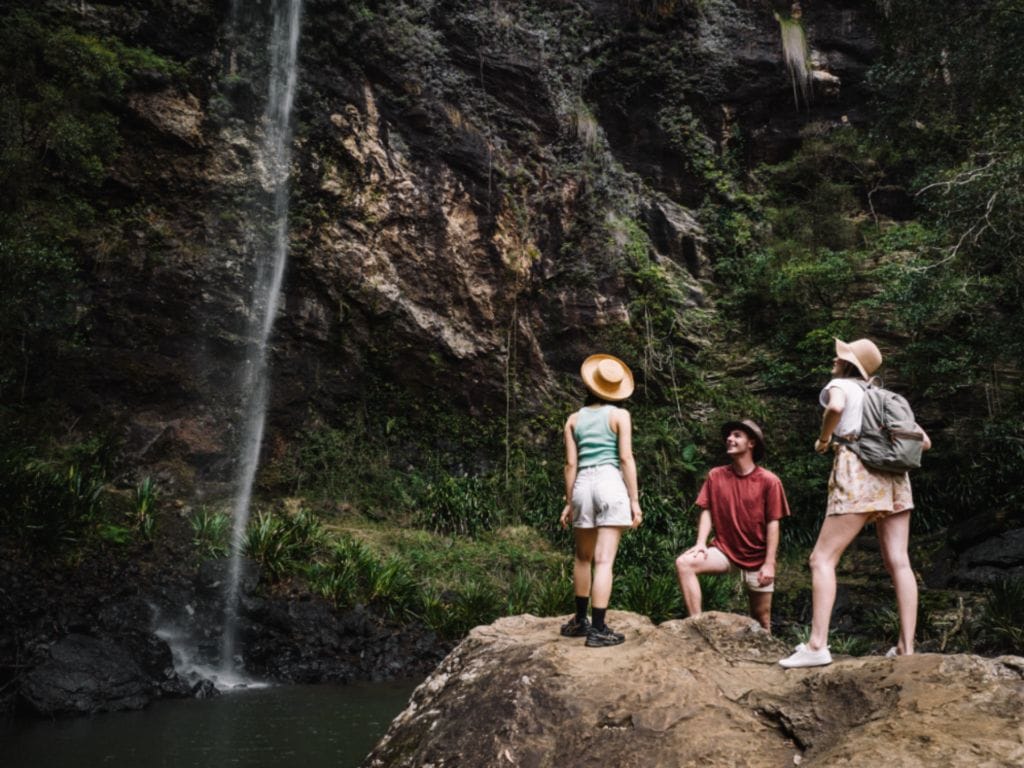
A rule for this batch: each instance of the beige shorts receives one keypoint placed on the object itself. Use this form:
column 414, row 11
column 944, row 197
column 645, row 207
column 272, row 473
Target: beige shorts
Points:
column 749, row 576
column 856, row 489
column 600, row 498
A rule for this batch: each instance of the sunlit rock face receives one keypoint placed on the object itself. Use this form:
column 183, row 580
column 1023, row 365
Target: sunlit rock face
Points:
column 472, row 187
column 704, row 691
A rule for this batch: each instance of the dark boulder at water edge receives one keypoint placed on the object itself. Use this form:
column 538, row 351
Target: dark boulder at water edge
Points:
column 84, row 675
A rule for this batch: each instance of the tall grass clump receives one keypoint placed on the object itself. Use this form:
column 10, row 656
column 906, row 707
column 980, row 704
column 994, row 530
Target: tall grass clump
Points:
column 463, row 506
column 210, row 532
column 1000, row 625
column 655, row 595
column 281, row 543
column 352, row 574
column 50, row 506
column 144, row 506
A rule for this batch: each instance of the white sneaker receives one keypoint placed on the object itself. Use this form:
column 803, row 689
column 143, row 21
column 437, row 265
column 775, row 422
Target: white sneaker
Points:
column 805, row 657
column 892, row 652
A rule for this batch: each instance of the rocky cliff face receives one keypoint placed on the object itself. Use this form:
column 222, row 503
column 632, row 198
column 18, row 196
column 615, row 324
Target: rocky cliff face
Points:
column 475, row 190
column 703, row 691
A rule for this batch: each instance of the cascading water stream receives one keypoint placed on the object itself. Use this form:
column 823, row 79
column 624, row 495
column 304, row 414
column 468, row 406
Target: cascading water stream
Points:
column 270, row 264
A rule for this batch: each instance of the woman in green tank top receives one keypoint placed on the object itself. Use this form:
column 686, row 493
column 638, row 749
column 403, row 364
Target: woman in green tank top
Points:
column 600, row 491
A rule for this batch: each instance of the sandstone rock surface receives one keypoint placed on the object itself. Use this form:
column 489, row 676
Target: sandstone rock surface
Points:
column 700, row 692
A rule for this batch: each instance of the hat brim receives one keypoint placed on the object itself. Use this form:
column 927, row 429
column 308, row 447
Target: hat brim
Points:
column 588, row 373
column 759, row 449
column 845, row 352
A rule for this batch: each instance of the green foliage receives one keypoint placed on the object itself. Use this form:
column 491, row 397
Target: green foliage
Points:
column 60, row 92
column 144, row 506
column 668, row 528
column 839, row 643
column 51, row 498
column 38, row 313
column 210, row 532
column 1000, row 626
column 458, row 505
column 653, row 594
column 280, row 542
column 59, row 87
column 553, row 592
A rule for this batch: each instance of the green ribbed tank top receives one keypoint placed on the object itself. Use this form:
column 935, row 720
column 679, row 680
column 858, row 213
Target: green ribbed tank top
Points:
column 595, row 441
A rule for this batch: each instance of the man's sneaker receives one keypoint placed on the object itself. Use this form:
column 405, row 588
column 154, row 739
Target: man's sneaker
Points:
column 805, row 657
column 599, row 638
column 575, row 628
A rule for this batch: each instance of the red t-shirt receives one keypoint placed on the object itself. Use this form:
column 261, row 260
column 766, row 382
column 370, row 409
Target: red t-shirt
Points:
column 741, row 508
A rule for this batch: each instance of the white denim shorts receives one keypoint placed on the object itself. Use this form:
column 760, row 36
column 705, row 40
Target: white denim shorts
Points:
column 600, row 498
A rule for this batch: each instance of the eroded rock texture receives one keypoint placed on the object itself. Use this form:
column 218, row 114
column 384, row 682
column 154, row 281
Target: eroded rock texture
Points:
column 476, row 190
column 700, row 692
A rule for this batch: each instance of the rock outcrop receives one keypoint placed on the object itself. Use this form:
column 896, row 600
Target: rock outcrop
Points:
column 702, row 692
column 475, row 188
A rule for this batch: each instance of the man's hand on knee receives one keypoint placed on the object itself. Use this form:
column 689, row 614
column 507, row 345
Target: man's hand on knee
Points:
column 697, row 551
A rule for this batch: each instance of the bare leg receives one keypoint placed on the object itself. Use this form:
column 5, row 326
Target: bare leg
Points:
column 688, row 566
column 761, row 609
column 586, row 538
column 604, row 558
column 893, row 538
column 834, row 537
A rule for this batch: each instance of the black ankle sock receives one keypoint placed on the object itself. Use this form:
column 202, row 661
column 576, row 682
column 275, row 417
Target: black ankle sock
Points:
column 597, row 617
column 581, row 608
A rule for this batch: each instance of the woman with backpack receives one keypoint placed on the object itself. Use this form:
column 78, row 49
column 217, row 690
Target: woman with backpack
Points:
column 600, row 492
column 857, row 495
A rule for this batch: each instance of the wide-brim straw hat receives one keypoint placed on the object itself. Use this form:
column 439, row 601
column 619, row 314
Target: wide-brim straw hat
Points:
column 862, row 353
column 752, row 430
column 607, row 377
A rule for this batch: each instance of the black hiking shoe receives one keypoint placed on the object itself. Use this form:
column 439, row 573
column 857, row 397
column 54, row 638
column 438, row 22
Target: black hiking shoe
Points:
column 575, row 628
column 600, row 638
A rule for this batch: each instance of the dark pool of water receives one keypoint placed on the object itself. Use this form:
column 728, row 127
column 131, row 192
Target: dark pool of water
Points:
column 305, row 726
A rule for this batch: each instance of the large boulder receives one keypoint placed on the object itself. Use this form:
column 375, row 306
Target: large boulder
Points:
column 704, row 691
column 85, row 675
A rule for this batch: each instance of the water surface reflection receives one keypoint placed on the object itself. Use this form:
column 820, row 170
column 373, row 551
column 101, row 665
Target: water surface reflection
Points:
column 305, row 726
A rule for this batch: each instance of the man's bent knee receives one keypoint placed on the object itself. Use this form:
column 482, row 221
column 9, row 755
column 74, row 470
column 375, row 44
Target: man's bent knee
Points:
column 687, row 564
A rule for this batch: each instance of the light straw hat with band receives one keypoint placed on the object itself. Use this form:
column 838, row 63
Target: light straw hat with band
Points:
column 607, row 377
column 862, row 353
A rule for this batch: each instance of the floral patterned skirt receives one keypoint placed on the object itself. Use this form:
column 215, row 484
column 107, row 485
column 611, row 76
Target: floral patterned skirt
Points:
column 856, row 489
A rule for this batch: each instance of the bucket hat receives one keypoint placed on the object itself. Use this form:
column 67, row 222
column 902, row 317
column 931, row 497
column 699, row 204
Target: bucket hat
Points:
column 752, row 430
column 607, row 377
column 862, row 353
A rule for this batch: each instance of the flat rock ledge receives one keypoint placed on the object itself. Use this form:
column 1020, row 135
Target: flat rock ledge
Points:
column 699, row 692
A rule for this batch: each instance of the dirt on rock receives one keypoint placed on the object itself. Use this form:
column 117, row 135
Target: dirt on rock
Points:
column 700, row 692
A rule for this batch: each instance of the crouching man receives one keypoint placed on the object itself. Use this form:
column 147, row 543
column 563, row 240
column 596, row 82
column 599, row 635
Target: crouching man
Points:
column 743, row 503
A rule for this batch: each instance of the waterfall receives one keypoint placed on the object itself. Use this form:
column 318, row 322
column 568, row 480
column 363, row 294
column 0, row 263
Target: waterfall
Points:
column 270, row 263
column 794, row 51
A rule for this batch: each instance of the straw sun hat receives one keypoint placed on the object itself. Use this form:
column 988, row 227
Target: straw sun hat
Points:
column 862, row 353
column 607, row 377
